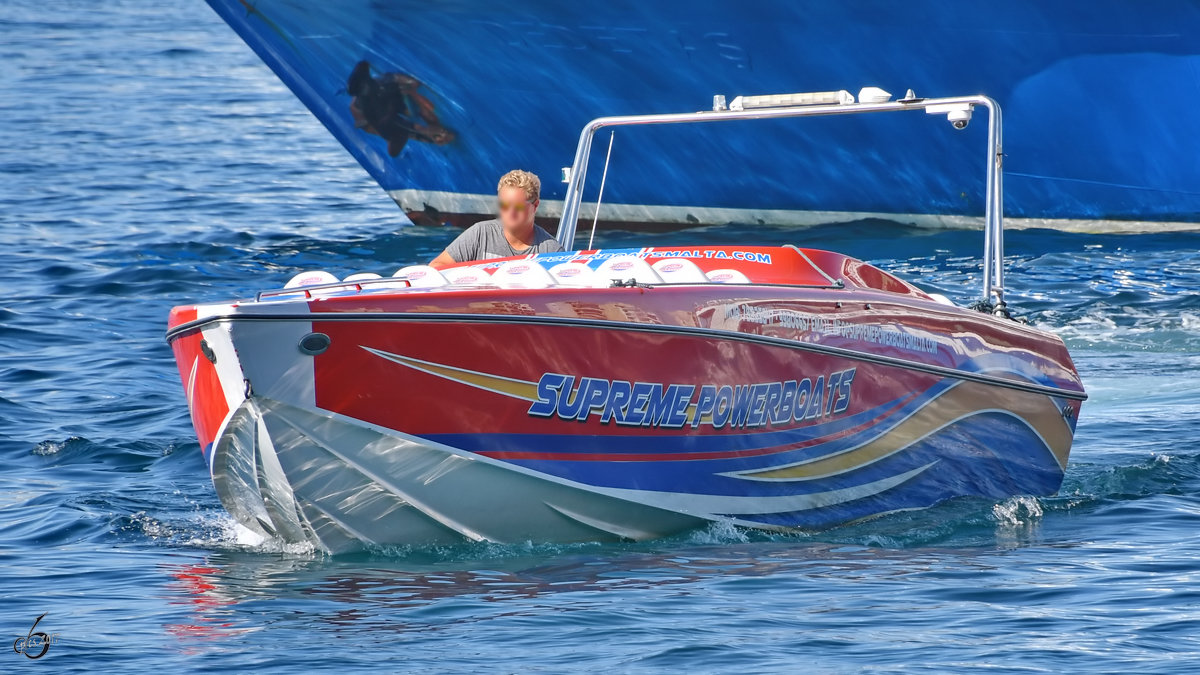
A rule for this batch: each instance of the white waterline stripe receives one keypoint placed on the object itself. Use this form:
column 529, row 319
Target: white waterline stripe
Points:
column 452, row 202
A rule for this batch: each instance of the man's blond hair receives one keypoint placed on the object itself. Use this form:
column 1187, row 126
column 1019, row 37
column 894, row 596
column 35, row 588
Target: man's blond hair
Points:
column 522, row 179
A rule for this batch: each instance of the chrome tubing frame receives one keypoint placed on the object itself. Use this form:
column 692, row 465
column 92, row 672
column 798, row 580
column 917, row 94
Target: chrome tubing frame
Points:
column 993, row 241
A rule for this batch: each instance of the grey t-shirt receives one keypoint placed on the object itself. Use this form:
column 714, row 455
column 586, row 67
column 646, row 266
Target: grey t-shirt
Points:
column 485, row 240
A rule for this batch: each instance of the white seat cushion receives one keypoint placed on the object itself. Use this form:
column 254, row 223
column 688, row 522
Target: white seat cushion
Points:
column 311, row 278
column 679, row 271
column 728, row 276
column 573, row 274
column 421, row 276
column 522, row 274
column 467, row 276
column 625, row 267
column 314, row 278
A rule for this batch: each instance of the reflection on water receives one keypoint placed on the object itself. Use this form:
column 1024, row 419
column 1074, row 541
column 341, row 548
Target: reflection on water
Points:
column 376, row 592
column 209, row 609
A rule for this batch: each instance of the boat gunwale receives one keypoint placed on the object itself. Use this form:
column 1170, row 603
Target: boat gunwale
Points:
column 441, row 317
column 358, row 287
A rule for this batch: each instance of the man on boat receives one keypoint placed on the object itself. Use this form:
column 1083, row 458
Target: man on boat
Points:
column 513, row 233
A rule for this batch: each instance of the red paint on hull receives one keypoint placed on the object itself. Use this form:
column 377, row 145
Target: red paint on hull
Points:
column 201, row 385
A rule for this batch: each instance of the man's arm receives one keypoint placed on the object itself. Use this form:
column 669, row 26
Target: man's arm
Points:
column 443, row 260
column 462, row 249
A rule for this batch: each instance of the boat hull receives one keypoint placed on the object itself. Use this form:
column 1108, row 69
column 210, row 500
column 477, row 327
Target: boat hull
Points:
column 576, row 415
column 465, row 90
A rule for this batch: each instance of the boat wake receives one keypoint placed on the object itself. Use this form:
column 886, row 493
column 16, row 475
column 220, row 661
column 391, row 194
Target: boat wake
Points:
column 1091, row 489
column 1126, row 328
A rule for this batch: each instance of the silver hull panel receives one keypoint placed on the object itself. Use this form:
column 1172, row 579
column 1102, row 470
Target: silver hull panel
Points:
column 308, row 477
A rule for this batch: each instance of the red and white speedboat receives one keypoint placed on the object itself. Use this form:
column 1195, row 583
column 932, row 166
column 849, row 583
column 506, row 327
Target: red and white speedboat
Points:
column 624, row 394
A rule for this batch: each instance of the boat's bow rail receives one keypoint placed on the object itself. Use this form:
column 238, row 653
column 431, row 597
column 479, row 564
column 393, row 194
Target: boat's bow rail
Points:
column 957, row 110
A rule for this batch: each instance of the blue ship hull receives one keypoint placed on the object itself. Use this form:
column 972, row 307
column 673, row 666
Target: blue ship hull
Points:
column 438, row 99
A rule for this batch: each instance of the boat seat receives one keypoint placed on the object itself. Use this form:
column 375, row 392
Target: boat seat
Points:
column 728, row 276
column 421, row 276
column 938, row 297
column 373, row 287
column 679, row 271
column 522, row 274
column 312, row 278
column 468, row 276
column 624, row 267
column 573, row 274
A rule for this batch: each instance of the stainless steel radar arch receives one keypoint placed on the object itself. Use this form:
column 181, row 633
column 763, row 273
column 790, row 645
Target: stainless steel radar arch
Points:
column 957, row 109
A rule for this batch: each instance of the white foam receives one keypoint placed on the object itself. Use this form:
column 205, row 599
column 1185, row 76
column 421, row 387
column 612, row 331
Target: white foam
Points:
column 1017, row 511
column 719, row 532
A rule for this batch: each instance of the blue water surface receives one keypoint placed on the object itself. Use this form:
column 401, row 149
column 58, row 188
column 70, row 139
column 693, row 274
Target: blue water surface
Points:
column 148, row 159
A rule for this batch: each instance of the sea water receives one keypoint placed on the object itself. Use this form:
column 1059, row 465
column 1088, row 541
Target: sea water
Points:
column 148, row 159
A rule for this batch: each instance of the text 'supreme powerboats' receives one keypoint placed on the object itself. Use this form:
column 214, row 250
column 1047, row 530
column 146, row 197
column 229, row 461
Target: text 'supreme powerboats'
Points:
column 625, row 394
